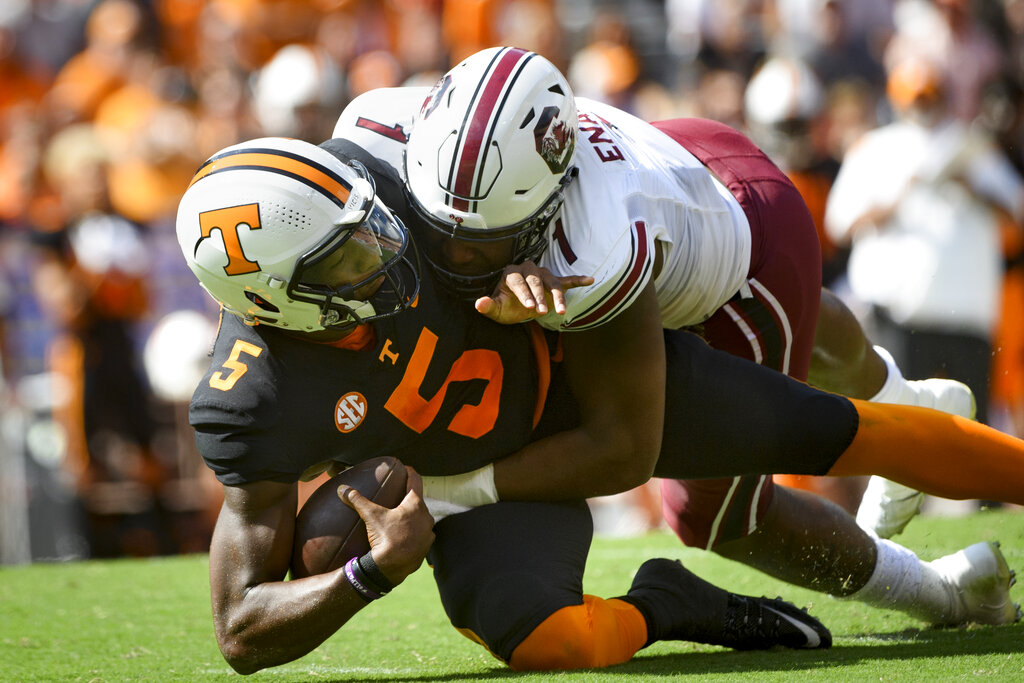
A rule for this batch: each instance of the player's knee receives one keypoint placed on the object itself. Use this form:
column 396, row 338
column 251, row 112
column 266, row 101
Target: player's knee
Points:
column 565, row 656
column 596, row 634
column 562, row 641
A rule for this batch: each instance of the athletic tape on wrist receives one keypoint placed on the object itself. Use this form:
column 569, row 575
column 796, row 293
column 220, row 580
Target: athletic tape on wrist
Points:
column 470, row 489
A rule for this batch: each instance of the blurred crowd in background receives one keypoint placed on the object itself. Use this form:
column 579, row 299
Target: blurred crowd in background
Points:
column 108, row 106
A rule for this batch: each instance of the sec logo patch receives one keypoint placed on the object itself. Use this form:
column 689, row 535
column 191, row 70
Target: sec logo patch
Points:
column 350, row 411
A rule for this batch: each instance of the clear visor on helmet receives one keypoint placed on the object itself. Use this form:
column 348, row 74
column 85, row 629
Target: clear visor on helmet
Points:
column 360, row 272
column 354, row 260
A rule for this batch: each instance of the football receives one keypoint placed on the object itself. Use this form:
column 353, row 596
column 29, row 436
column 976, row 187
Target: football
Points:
column 327, row 532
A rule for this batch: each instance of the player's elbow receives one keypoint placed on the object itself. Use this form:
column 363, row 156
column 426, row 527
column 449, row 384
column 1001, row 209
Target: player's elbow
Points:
column 241, row 655
column 630, row 462
column 624, row 480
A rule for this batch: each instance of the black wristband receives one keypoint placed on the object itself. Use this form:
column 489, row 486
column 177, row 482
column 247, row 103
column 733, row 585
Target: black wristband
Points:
column 374, row 574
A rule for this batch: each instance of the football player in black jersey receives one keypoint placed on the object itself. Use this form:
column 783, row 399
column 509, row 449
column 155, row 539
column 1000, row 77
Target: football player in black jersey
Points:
column 332, row 350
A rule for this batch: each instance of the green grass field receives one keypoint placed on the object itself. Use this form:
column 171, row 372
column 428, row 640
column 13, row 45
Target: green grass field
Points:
column 149, row 620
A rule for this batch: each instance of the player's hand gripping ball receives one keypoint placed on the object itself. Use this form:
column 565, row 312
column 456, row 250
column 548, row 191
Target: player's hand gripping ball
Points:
column 329, row 533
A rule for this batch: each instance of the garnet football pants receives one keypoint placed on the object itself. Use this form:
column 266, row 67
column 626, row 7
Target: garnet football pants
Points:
column 772, row 322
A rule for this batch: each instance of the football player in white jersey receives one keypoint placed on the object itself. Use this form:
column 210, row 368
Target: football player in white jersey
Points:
column 680, row 224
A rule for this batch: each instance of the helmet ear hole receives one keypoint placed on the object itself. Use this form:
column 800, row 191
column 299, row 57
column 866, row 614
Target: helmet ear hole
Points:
column 261, row 302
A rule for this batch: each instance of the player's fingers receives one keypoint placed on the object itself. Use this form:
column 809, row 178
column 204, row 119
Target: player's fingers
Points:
column 503, row 308
column 485, row 305
column 413, row 499
column 573, row 281
column 559, row 285
column 568, row 282
column 517, row 284
column 558, row 300
column 413, row 481
column 539, row 286
column 361, row 504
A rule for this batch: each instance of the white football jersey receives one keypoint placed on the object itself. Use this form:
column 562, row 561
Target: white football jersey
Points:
column 636, row 187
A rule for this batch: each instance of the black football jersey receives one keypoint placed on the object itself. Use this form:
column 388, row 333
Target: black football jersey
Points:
column 443, row 389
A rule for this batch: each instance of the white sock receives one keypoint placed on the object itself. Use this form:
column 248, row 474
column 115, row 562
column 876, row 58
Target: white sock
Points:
column 896, row 580
column 894, row 388
column 901, row 581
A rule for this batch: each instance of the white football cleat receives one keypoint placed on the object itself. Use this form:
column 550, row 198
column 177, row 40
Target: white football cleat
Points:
column 887, row 507
column 980, row 581
column 947, row 395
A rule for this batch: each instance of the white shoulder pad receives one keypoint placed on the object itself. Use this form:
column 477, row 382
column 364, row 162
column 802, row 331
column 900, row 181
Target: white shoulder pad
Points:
column 379, row 121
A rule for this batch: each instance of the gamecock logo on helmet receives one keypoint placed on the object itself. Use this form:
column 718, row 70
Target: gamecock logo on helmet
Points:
column 555, row 140
column 350, row 411
column 434, row 97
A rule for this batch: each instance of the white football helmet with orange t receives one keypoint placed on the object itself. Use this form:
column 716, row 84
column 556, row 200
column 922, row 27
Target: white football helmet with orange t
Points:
column 284, row 233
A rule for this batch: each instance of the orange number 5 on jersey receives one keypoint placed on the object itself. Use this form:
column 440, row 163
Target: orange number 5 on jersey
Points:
column 417, row 413
column 237, row 367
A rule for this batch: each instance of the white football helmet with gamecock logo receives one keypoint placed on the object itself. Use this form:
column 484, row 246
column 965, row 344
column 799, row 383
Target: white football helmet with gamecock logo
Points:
column 285, row 233
column 490, row 153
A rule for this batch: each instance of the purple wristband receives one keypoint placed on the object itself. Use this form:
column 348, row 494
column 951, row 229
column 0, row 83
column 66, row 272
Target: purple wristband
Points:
column 353, row 574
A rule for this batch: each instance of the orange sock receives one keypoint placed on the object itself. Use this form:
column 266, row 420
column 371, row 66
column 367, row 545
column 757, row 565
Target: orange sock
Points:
column 940, row 454
column 595, row 634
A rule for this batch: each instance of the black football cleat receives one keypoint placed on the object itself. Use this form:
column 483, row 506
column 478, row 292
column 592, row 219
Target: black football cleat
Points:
column 679, row 605
column 763, row 623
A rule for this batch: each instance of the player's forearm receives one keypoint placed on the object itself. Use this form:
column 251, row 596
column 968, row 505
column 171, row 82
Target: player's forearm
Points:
column 278, row 622
column 566, row 466
column 575, row 464
column 617, row 374
column 260, row 619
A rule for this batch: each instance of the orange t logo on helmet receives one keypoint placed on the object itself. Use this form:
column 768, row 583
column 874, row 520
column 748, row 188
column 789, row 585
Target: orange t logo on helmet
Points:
column 228, row 221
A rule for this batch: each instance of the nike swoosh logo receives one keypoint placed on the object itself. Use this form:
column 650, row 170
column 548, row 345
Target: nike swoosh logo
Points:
column 813, row 639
